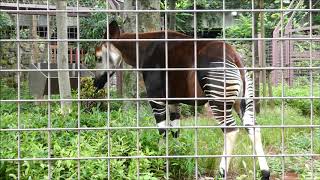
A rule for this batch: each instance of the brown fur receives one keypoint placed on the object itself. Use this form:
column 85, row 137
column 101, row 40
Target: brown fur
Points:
column 181, row 84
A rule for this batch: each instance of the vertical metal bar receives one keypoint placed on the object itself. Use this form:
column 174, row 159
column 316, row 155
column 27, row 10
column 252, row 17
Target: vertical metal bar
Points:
column 137, row 85
column 254, row 90
column 18, row 95
column 195, row 87
column 253, row 79
column 282, row 90
column 79, row 91
column 224, row 91
column 49, row 92
column 108, row 96
column 311, row 90
column 167, row 104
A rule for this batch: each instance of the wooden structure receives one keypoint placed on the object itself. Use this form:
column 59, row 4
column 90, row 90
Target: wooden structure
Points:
column 42, row 5
column 286, row 53
column 72, row 52
column 38, row 80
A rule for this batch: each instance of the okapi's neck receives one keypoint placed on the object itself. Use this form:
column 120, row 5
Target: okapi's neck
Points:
column 127, row 48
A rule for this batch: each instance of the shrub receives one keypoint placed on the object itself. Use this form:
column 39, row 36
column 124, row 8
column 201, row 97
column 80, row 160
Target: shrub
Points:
column 88, row 91
column 189, row 111
column 303, row 105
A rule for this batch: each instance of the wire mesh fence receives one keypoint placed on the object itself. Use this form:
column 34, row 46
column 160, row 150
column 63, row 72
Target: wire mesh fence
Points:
column 139, row 125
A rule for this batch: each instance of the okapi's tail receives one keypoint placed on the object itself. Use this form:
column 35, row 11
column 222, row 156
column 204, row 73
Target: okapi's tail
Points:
column 238, row 61
column 245, row 80
column 246, row 105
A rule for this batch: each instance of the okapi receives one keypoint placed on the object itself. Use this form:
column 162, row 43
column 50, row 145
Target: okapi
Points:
column 215, row 83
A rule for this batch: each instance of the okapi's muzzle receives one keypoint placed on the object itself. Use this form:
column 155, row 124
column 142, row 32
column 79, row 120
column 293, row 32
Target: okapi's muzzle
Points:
column 100, row 81
column 108, row 57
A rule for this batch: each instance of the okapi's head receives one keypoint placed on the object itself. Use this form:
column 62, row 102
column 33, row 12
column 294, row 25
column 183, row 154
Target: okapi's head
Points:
column 108, row 56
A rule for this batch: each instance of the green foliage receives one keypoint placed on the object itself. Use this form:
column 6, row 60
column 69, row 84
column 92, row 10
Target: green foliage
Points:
column 6, row 91
column 303, row 105
column 242, row 28
column 6, row 25
column 88, row 91
column 93, row 27
column 316, row 20
column 188, row 111
column 5, row 20
column 125, row 142
column 184, row 21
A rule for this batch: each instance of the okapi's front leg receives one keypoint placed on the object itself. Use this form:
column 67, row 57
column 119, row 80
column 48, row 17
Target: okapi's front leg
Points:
column 159, row 111
column 174, row 119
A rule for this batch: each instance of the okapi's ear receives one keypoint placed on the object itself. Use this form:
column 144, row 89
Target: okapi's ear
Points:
column 114, row 31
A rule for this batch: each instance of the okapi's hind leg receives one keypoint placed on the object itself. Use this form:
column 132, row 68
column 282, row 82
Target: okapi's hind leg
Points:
column 248, row 119
column 159, row 111
column 223, row 114
column 218, row 84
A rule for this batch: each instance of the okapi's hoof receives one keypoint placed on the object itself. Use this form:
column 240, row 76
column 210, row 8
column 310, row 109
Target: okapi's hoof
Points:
column 222, row 174
column 175, row 133
column 162, row 132
column 265, row 174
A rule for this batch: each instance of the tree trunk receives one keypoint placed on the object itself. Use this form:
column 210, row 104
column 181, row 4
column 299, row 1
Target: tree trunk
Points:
column 62, row 57
column 146, row 21
column 149, row 21
column 35, row 48
column 172, row 16
column 129, row 24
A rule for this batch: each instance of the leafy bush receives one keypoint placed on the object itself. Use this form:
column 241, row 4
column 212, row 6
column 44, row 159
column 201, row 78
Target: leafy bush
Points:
column 303, row 105
column 189, row 111
column 242, row 28
column 6, row 26
column 88, row 91
column 126, row 142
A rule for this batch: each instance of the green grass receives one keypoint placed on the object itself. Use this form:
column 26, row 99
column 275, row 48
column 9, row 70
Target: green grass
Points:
column 144, row 142
column 124, row 143
column 296, row 141
column 302, row 105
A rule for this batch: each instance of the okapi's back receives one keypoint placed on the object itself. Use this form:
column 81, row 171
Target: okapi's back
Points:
column 175, row 54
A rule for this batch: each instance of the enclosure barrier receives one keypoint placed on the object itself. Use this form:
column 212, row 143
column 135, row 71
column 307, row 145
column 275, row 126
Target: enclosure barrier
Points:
column 121, row 140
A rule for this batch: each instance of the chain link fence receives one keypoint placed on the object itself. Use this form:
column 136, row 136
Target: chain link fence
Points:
column 112, row 133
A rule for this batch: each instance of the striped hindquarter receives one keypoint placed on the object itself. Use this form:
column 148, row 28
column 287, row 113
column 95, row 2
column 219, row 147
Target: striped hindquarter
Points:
column 223, row 88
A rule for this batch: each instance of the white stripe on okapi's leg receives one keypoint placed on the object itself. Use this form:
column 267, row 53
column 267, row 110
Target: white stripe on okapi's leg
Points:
column 174, row 121
column 162, row 124
column 174, row 110
column 254, row 133
column 255, row 137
